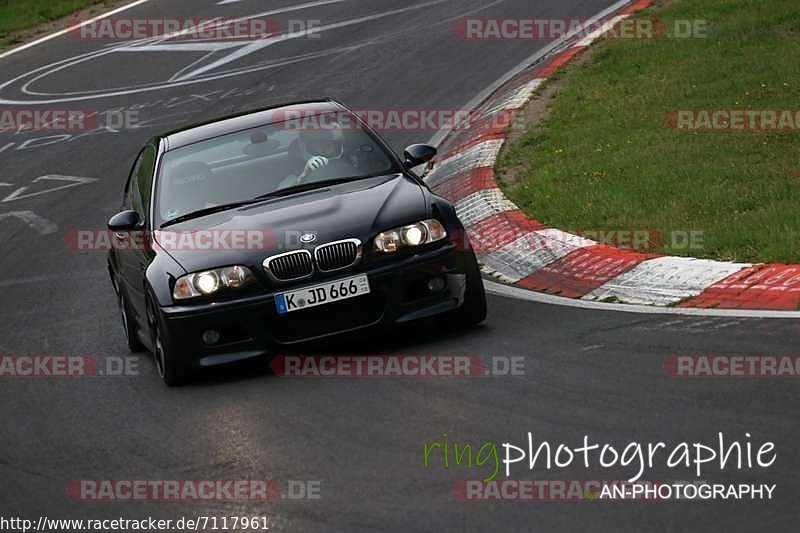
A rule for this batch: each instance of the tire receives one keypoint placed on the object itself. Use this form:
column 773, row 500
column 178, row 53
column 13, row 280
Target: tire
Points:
column 129, row 328
column 172, row 371
column 473, row 310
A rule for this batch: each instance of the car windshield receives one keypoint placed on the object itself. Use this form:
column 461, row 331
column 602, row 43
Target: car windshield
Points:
column 265, row 160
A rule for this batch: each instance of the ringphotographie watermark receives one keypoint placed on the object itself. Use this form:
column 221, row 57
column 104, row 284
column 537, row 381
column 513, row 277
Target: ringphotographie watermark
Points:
column 640, row 458
column 550, row 490
column 607, row 490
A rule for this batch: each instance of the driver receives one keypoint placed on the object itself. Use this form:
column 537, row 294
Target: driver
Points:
column 313, row 150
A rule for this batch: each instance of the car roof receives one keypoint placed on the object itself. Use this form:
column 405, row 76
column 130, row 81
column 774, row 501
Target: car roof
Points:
column 246, row 120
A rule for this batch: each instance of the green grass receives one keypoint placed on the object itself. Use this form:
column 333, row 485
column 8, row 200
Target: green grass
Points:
column 21, row 14
column 604, row 159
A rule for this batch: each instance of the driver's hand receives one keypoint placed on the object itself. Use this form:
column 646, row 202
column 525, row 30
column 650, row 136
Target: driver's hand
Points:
column 315, row 163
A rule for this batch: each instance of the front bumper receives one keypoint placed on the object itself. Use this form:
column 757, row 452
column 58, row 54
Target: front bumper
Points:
column 251, row 327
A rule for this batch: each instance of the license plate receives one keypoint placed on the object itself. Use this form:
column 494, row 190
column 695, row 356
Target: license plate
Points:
column 333, row 291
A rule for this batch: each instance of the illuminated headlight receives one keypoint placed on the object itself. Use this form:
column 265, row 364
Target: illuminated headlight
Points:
column 207, row 282
column 211, row 281
column 412, row 235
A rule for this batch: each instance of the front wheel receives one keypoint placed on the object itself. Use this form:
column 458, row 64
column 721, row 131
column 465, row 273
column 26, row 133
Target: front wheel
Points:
column 173, row 371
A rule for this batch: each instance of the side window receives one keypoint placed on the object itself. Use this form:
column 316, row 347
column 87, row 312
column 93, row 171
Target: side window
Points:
column 141, row 181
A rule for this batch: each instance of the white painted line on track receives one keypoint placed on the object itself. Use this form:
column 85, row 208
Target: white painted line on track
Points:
column 508, row 291
column 71, row 181
column 206, row 46
column 259, row 44
column 71, row 28
column 44, row 71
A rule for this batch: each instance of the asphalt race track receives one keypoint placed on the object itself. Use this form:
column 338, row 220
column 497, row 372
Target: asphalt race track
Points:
column 586, row 372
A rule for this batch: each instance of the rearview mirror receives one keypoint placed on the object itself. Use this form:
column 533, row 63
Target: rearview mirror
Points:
column 418, row 154
column 125, row 221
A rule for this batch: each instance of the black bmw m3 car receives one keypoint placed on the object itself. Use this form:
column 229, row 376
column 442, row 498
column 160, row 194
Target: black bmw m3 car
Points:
column 245, row 234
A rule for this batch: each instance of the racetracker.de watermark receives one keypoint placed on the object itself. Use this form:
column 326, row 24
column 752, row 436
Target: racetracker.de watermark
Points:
column 21, row 120
column 192, row 29
column 86, row 240
column 533, row 29
column 508, row 238
column 733, row 366
column 388, row 119
column 193, row 490
column 752, row 120
column 395, row 366
column 66, row 366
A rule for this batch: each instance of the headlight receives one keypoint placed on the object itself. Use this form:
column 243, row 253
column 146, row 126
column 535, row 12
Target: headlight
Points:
column 207, row 282
column 417, row 234
column 211, row 281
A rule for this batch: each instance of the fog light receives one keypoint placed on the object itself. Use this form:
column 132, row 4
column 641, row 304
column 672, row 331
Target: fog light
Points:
column 436, row 284
column 211, row 336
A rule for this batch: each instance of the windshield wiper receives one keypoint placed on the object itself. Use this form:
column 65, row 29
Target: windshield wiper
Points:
column 294, row 189
column 207, row 211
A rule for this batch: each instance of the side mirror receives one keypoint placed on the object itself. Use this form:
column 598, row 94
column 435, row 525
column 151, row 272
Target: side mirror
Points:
column 418, row 154
column 125, row 221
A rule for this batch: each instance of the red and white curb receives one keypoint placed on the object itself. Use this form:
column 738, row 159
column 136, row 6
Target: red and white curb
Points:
column 522, row 252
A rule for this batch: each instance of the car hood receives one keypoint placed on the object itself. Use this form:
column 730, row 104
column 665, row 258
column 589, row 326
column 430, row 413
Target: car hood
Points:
column 358, row 209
